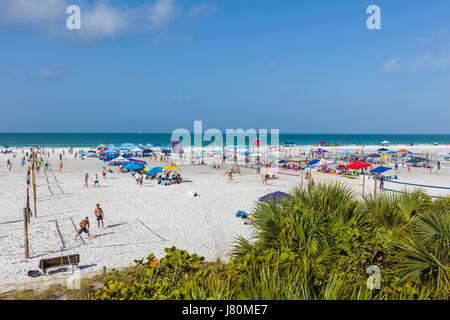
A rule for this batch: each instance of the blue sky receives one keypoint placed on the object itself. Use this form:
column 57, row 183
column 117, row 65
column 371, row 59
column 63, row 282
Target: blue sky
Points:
column 153, row 66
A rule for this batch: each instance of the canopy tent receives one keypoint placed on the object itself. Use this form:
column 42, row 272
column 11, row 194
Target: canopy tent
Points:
column 137, row 149
column 324, row 162
column 417, row 160
column 444, row 153
column 275, row 196
column 149, row 145
column 356, row 165
column 120, row 159
column 380, row 169
column 134, row 165
column 385, row 142
column 111, row 157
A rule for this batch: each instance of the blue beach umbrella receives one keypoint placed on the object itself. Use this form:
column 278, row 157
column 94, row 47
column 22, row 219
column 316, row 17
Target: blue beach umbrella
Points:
column 155, row 170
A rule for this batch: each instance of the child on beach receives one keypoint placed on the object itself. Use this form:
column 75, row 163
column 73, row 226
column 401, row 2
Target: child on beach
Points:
column 86, row 181
column 96, row 183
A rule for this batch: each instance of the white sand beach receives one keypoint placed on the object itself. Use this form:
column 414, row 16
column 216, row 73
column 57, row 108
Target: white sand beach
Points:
column 143, row 220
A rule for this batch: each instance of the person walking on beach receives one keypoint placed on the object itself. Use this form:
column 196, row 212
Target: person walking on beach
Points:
column 60, row 167
column 104, row 173
column 96, row 183
column 409, row 168
column 28, row 180
column 86, row 181
column 84, row 227
column 99, row 215
column 381, row 183
column 141, row 179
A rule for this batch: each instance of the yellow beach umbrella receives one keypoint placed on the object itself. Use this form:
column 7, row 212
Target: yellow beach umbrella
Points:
column 385, row 156
column 171, row 168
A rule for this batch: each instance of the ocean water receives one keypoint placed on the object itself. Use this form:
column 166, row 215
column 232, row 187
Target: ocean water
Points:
column 94, row 139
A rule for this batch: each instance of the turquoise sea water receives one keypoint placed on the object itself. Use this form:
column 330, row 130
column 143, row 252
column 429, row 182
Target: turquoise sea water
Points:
column 94, row 139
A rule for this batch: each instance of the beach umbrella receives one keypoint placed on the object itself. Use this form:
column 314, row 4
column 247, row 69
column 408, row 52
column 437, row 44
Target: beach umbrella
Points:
column 391, row 152
column 155, row 170
column 402, row 151
column 157, row 145
column 275, row 196
column 282, row 161
column 320, row 150
column 341, row 166
column 147, row 169
column 382, row 150
column 374, row 155
column 170, row 168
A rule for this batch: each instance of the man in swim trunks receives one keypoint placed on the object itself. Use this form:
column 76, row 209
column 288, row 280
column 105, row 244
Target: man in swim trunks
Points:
column 84, row 227
column 96, row 183
column 99, row 216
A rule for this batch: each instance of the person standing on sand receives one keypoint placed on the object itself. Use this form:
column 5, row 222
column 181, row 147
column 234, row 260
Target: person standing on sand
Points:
column 96, row 183
column 84, row 227
column 60, row 167
column 86, row 181
column 104, row 173
column 409, row 168
column 99, row 215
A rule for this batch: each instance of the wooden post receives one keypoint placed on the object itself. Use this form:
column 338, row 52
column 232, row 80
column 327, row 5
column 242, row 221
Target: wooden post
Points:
column 34, row 182
column 25, row 225
column 375, row 187
column 28, row 205
column 364, row 180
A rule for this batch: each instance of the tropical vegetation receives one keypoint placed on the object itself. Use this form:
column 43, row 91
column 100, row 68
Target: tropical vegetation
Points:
column 322, row 243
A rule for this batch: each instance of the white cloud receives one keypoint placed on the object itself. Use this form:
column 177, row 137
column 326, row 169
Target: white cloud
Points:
column 391, row 66
column 51, row 73
column 103, row 21
column 161, row 12
column 31, row 11
column 201, row 9
column 99, row 18
column 419, row 63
